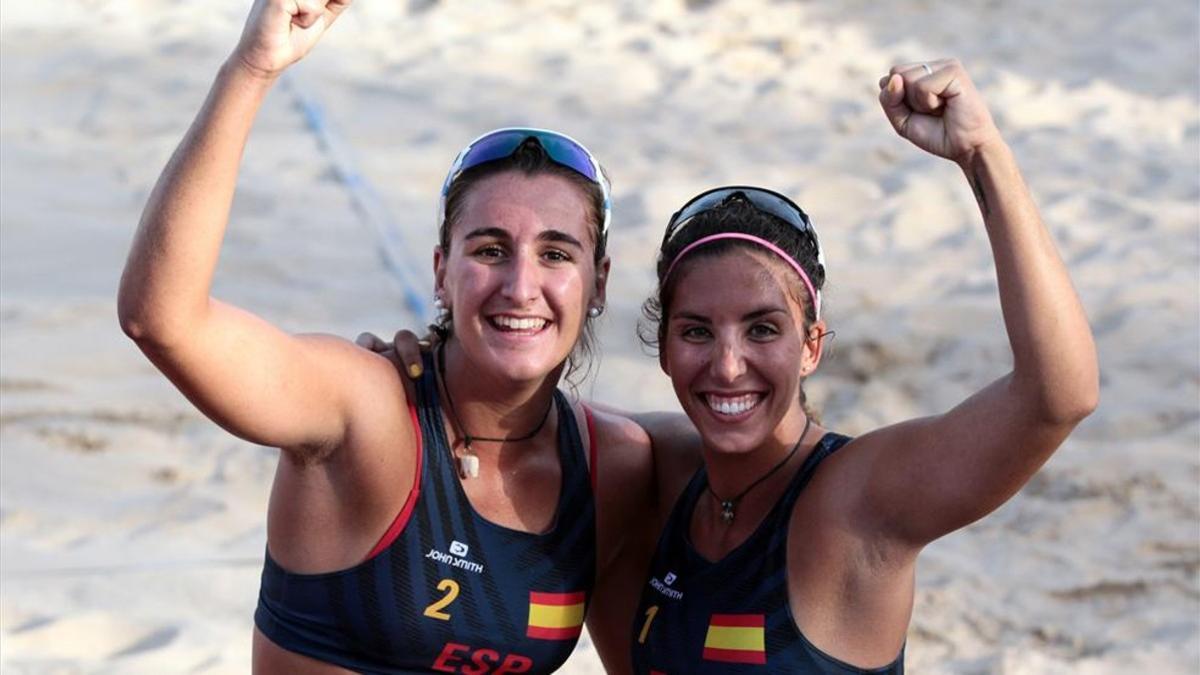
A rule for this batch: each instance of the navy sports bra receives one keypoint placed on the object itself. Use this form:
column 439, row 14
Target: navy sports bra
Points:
column 446, row 590
column 698, row 617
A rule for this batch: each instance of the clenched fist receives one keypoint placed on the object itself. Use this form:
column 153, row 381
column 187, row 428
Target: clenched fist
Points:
column 936, row 107
column 280, row 32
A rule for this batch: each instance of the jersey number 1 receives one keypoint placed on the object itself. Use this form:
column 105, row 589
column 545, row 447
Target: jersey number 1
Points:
column 650, row 614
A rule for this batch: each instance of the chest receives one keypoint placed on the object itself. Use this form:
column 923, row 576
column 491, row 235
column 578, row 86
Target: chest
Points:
column 520, row 495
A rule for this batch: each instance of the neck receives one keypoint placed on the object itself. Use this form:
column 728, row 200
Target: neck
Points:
column 492, row 407
column 729, row 474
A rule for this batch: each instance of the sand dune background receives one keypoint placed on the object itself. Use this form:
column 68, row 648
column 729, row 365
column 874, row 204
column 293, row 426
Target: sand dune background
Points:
column 132, row 530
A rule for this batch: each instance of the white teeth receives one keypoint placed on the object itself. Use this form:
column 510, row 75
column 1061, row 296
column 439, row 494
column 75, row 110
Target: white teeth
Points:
column 733, row 406
column 513, row 323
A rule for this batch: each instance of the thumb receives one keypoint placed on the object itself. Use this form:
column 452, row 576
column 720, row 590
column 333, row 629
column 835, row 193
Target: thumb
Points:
column 891, row 98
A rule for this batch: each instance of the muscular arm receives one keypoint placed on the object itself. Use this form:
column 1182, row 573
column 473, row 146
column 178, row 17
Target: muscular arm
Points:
column 927, row 477
column 251, row 378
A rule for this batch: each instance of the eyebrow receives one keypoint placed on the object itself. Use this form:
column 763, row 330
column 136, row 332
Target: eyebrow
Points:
column 749, row 316
column 545, row 235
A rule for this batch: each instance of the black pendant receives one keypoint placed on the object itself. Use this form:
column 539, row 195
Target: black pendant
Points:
column 727, row 512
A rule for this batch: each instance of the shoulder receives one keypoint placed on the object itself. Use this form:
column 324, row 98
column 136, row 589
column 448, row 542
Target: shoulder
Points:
column 358, row 368
column 623, row 450
column 369, row 388
column 623, row 471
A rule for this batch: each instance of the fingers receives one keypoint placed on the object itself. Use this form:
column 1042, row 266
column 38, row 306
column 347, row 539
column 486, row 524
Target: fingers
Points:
column 928, row 84
column 333, row 10
column 408, row 349
column 891, row 97
column 309, row 12
column 372, row 342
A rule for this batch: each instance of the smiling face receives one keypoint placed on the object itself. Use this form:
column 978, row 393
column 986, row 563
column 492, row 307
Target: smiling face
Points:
column 519, row 275
column 735, row 348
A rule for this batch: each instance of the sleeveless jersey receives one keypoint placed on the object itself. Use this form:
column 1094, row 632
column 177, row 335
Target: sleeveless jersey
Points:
column 451, row 592
column 698, row 617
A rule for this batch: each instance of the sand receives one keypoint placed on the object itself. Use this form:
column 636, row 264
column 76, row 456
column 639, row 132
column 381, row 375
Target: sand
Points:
column 132, row 529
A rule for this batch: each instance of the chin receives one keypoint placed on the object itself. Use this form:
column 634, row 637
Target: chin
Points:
column 526, row 365
column 732, row 444
column 723, row 439
column 515, row 358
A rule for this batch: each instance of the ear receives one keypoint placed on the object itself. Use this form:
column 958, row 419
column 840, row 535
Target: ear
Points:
column 439, row 271
column 662, row 361
column 601, row 293
column 814, row 347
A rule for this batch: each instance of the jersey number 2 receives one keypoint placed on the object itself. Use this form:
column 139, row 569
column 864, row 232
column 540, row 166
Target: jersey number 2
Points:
column 434, row 611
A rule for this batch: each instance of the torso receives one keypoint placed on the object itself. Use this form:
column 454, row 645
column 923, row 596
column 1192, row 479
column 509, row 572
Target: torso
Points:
column 453, row 591
column 734, row 614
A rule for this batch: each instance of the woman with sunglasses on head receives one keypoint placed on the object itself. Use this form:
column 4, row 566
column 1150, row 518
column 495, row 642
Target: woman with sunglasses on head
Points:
column 793, row 550
column 457, row 527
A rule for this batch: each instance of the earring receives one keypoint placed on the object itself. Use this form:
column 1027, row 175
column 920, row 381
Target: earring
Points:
column 595, row 311
column 439, row 306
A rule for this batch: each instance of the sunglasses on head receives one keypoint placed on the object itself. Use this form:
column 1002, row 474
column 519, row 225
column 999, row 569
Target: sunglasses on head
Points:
column 560, row 148
column 765, row 201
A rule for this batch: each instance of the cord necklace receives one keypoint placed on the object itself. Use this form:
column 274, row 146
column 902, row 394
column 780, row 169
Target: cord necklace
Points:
column 468, row 462
column 728, row 505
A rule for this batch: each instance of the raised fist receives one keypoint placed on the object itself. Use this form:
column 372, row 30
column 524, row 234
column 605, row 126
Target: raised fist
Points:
column 936, row 106
column 280, row 32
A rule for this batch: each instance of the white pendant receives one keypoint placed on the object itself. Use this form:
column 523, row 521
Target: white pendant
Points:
column 468, row 466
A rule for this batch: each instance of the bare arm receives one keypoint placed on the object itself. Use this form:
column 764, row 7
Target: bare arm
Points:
column 254, row 380
column 624, row 502
column 930, row 476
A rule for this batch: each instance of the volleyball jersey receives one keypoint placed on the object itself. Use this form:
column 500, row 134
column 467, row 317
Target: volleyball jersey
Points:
column 450, row 592
column 732, row 616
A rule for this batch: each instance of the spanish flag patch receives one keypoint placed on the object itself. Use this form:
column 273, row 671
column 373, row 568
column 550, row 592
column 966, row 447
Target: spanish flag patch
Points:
column 555, row 616
column 736, row 638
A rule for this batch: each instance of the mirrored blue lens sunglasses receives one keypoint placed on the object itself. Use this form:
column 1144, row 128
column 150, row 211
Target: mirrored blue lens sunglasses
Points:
column 560, row 148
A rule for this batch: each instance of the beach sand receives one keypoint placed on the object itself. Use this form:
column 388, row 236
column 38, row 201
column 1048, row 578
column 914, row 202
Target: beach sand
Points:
column 132, row 529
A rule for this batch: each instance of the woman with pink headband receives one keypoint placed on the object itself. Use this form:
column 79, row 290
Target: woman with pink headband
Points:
column 793, row 549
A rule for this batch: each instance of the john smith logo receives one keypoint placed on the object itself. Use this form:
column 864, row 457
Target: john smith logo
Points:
column 455, row 558
column 664, row 586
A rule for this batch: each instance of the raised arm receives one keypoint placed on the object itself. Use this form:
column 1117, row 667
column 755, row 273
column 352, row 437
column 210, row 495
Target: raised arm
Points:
column 924, row 478
column 254, row 380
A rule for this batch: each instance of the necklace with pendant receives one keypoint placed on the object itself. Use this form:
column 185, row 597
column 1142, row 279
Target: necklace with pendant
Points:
column 468, row 461
column 728, row 505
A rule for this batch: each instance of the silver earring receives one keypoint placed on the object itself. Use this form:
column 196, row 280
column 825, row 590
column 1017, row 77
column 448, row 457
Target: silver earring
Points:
column 439, row 306
column 595, row 311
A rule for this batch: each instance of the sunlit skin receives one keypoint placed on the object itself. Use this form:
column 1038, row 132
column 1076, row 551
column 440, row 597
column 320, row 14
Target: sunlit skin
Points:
column 519, row 275
column 742, row 344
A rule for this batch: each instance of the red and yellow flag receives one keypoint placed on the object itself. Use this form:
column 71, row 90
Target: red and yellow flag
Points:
column 736, row 638
column 555, row 616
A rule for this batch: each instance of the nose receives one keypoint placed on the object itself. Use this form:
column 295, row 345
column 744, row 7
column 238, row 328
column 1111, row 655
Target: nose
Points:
column 522, row 284
column 728, row 363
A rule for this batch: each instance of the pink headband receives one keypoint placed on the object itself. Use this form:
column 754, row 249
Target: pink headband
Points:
column 812, row 291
